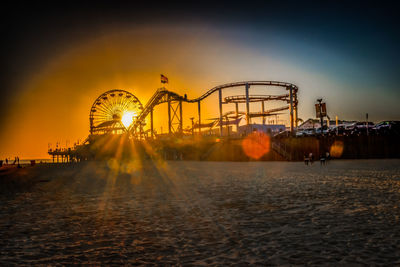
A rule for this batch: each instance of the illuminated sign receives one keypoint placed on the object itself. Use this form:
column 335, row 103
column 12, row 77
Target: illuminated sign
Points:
column 320, row 110
column 317, row 111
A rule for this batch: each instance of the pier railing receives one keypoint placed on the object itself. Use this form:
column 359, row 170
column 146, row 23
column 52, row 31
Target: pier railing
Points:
column 281, row 149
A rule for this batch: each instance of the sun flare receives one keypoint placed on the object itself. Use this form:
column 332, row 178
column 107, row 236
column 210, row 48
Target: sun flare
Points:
column 127, row 118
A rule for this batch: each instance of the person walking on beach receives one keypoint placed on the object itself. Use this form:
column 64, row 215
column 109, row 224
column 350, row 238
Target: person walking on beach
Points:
column 327, row 155
column 306, row 159
column 18, row 166
column 6, row 161
column 322, row 160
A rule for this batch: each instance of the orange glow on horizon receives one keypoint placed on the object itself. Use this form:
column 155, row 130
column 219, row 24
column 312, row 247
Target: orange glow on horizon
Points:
column 54, row 102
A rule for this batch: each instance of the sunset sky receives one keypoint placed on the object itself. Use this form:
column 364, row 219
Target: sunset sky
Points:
column 58, row 59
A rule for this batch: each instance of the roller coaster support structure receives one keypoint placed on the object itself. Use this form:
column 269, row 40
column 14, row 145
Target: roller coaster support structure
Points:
column 220, row 111
column 247, row 104
column 263, row 110
column 174, row 100
column 237, row 116
column 151, row 123
column 169, row 116
column 199, row 111
column 295, row 111
column 291, row 108
column 175, row 124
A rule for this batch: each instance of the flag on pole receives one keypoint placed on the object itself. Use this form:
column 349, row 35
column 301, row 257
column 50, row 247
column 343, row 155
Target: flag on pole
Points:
column 164, row 79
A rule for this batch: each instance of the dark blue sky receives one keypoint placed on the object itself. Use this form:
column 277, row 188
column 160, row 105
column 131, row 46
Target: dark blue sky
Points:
column 354, row 43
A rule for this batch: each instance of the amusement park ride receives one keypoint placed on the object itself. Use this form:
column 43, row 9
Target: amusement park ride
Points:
column 119, row 111
column 113, row 111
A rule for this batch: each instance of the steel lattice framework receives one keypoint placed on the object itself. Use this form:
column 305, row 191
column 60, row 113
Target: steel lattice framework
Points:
column 108, row 109
column 175, row 100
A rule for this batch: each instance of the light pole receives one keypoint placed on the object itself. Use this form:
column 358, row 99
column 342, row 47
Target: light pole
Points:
column 192, row 118
column 320, row 115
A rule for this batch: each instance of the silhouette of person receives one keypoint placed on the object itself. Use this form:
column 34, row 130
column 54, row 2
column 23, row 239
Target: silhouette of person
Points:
column 306, row 160
column 322, row 160
column 311, row 156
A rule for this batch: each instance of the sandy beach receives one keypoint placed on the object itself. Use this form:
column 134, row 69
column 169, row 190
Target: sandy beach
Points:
column 201, row 213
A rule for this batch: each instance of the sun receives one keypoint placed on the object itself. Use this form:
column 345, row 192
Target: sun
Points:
column 127, row 118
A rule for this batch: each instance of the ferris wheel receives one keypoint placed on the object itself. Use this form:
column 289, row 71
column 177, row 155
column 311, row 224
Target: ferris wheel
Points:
column 113, row 112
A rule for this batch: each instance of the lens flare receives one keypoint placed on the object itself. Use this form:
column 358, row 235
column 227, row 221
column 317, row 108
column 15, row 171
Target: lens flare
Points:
column 127, row 118
column 336, row 150
column 256, row 144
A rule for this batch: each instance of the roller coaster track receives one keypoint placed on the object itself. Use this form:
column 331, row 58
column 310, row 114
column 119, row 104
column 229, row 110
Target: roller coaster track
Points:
column 163, row 95
column 255, row 98
column 266, row 113
column 238, row 84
